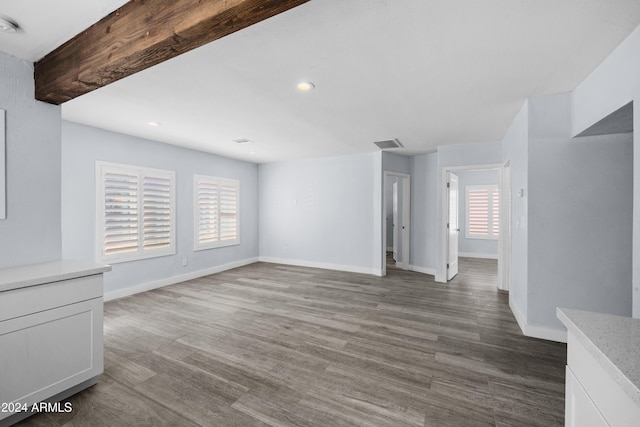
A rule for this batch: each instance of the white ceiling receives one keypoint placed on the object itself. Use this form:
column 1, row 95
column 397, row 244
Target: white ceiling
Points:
column 429, row 72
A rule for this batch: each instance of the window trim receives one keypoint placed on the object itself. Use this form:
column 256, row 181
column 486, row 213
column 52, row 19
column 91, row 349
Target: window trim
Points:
column 101, row 169
column 197, row 245
column 491, row 214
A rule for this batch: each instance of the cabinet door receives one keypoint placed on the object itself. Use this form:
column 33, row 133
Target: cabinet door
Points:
column 580, row 411
column 49, row 352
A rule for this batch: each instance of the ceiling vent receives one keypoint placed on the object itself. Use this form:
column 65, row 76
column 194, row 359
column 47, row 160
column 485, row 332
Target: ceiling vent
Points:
column 243, row 141
column 389, row 143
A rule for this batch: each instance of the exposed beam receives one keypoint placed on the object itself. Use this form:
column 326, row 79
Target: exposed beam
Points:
column 140, row 34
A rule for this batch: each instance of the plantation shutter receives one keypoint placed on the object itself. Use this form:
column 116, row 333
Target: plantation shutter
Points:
column 217, row 212
column 228, row 211
column 120, row 204
column 208, row 216
column 135, row 209
column 156, row 192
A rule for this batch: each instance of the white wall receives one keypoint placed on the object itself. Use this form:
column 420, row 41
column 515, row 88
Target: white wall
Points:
column 83, row 145
column 580, row 221
column 424, row 243
column 392, row 162
column 31, row 233
column 613, row 84
column 572, row 218
column 323, row 212
column 479, row 248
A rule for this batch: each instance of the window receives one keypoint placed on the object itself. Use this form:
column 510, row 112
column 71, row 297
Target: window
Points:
column 483, row 212
column 217, row 218
column 135, row 212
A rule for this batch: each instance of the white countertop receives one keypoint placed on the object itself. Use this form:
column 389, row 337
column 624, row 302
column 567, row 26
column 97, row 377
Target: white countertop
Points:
column 614, row 341
column 37, row 274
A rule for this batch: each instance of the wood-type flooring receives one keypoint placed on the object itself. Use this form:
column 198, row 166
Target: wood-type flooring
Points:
column 279, row 345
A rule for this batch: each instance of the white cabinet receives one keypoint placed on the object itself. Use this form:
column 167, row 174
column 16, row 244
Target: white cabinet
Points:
column 580, row 410
column 51, row 331
column 603, row 370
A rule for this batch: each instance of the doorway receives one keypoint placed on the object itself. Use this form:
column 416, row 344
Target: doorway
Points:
column 396, row 220
column 455, row 214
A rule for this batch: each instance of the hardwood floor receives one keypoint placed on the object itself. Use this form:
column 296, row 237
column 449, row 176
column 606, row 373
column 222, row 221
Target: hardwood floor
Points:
column 289, row 346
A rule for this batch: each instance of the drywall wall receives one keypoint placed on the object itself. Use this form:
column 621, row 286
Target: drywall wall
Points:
column 615, row 83
column 515, row 151
column 424, row 243
column 392, row 162
column 83, row 145
column 571, row 217
column 478, row 248
column 323, row 212
column 31, row 231
column 580, row 221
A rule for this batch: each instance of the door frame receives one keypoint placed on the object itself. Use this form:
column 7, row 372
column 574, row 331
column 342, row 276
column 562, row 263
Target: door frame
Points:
column 406, row 220
column 441, row 275
column 504, row 244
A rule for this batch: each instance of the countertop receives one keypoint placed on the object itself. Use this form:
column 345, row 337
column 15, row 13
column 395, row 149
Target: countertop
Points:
column 614, row 341
column 36, row 274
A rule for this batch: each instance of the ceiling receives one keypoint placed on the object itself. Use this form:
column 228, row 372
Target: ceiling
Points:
column 428, row 72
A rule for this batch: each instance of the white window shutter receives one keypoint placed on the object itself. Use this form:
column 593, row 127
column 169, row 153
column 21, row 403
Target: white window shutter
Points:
column 120, row 206
column 208, row 196
column 156, row 191
column 135, row 211
column 228, row 211
column 217, row 212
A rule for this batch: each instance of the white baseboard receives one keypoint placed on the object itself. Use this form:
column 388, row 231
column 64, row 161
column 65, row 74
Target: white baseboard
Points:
column 423, row 270
column 534, row 331
column 324, row 265
column 477, row 255
column 143, row 287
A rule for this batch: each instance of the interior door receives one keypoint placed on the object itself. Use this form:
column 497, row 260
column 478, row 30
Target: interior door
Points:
column 453, row 227
column 396, row 231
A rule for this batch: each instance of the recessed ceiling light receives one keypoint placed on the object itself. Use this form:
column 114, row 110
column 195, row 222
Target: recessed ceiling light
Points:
column 154, row 124
column 8, row 25
column 306, row 86
column 252, row 152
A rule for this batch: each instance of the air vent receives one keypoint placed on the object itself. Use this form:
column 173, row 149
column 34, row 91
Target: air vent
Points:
column 243, row 141
column 389, row 143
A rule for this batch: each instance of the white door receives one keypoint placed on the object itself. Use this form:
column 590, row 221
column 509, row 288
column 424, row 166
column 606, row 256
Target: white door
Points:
column 452, row 227
column 405, row 222
column 396, row 230
column 504, row 256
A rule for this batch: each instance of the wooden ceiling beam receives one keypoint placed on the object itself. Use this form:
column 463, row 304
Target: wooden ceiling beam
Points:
column 140, row 34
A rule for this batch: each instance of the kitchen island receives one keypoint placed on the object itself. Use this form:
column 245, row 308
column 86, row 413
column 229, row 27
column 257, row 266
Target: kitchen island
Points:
column 603, row 369
column 51, row 333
